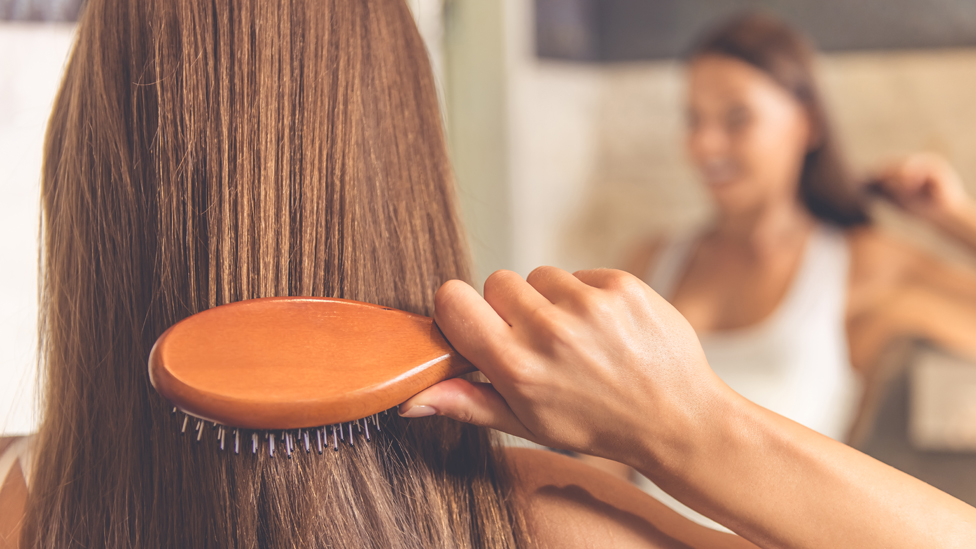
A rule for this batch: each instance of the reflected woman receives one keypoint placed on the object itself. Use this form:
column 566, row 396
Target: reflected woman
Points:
column 793, row 293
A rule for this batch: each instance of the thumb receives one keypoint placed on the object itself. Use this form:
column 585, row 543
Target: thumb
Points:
column 467, row 402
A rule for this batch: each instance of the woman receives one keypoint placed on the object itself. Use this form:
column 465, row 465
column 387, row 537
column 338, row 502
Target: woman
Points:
column 793, row 293
column 201, row 153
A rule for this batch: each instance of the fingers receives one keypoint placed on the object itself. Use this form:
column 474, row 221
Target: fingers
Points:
column 598, row 278
column 915, row 173
column 462, row 400
column 469, row 323
column 511, row 297
column 556, row 285
column 613, row 280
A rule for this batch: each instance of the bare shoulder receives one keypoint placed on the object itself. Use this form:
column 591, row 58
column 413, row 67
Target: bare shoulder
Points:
column 880, row 265
column 873, row 250
column 572, row 504
column 13, row 494
column 640, row 257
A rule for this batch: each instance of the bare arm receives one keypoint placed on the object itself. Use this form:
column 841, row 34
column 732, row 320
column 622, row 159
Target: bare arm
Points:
column 898, row 291
column 780, row 484
column 600, row 364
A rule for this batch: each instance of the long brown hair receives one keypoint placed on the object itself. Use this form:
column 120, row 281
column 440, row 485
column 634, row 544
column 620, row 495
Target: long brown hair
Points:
column 207, row 152
column 785, row 55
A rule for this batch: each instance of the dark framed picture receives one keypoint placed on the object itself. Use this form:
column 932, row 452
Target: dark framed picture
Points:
column 625, row 30
column 40, row 11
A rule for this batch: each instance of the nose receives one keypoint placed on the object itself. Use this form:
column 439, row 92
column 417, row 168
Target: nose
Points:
column 707, row 140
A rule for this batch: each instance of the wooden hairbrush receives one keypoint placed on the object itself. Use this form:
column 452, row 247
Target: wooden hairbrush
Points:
column 287, row 363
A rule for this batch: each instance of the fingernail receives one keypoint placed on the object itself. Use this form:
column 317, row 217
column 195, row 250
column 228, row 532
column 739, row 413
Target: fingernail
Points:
column 418, row 411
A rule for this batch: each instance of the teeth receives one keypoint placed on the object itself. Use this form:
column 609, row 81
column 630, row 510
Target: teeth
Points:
column 291, row 440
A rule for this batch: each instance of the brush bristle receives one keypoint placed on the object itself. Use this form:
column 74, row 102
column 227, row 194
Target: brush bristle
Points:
column 291, row 440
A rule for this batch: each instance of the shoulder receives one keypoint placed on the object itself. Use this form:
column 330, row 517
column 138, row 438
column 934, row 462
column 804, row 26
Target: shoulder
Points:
column 13, row 490
column 872, row 246
column 571, row 504
column 881, row 262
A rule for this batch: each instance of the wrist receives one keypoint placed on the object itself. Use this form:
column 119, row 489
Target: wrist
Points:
column 959, row 221
column 673, row 446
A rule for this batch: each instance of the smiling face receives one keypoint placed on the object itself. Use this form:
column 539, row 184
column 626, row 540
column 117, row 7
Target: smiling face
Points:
column 747, row 135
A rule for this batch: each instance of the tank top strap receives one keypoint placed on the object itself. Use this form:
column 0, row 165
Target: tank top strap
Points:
column 664, row 275
column 822, row 280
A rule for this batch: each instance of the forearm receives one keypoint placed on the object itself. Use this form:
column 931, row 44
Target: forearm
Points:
column 779, row 484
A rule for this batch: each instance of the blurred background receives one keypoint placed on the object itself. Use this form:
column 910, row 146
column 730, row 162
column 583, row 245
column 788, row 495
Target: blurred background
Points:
column 565, row 120
column 566, row 117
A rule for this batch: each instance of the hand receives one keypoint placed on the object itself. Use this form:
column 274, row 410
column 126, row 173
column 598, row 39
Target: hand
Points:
column 593, row 362
column 925, row 185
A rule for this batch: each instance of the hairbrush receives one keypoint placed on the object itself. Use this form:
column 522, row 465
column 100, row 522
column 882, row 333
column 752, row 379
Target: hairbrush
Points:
column 306, row 368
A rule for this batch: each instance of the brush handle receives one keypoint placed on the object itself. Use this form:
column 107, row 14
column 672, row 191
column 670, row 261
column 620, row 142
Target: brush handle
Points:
column 297, row 362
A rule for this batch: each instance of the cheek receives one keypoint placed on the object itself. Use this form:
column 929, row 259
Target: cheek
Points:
column 774, row 152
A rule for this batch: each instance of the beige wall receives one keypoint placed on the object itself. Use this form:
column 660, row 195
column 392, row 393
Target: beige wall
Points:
column 31, row 57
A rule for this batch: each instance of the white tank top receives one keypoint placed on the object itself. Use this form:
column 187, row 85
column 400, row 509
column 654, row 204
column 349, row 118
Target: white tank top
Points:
column 796, row 362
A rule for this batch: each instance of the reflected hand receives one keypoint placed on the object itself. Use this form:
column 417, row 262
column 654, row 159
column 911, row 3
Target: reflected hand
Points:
column 925, row 185
column 593, row 362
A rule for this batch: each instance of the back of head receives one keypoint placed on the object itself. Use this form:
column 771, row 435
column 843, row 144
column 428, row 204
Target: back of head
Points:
column 201, row 153
column 786, row 56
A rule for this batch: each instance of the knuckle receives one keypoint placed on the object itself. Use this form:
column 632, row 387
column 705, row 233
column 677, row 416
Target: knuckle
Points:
column 460, row 400
column 540, row 274
column 500, row 276
column 498, row 281
column 624, row 283
column 464, row 415
column 448, row 293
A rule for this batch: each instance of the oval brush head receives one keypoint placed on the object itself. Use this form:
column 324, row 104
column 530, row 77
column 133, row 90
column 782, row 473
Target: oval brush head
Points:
column 298, row 362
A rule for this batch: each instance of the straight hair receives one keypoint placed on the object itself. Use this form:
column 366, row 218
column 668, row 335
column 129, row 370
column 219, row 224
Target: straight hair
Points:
column 784, row 54
column 201, row 153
